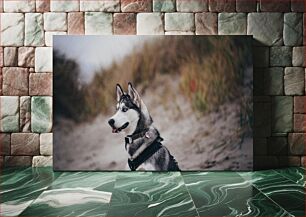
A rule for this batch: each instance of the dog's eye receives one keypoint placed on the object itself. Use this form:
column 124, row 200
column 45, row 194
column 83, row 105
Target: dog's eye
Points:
column 124, row 109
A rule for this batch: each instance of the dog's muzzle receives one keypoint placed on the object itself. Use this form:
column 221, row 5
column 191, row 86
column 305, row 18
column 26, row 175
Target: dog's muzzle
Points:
column 117, row 130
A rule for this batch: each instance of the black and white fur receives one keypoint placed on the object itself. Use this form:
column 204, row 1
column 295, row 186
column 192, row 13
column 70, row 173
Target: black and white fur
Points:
column 132, row 117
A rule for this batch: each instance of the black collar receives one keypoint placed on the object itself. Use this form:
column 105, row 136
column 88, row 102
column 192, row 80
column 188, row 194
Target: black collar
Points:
column 145, row 155
column 130, row 138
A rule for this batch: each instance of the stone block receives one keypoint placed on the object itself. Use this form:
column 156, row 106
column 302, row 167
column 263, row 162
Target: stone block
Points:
column 49, row 37
column 42, row 161
column 296, row 143
column 136, row 5
column 1, row 81
column 258, row 81
column 179, row 22
column 43, row 59
column 222, row 5
column 289, row 161
column 10, row 55
column 274, row 81
column 150, row 24
column 25, row 144
column 101, row 5
column 246, row 5
column 266, row 28
column 206, row 23
column 303, row 161
column 282, row 117
column 260, row 147
column 34, row 30
column 26, row 56
column 12, row 29
column 262, row 119
column 25, row 114
column 261, row 56
column 163, row 5
column 40, row 84
column 76, row 23
column 9, row 113
column 232, row 24
column 179, row 33
column 293, row 29
column 55, row 21
column 299, row 104
column 65, row 6
column 299, row 123
column 297, row 6
column 304, row 30
column 98, row 23
column 124, row 24
column 17, row 161
column 1, row 56
column 298, row 56
column 277, row 146
column 271, row 6
column 42, row 5
column 1, row 157
column 294, row 81
column 280, row 56
column 19, row 6
column 265, row 162
column 15, row 81
column 191, row 5
column 46, row 143
column 41, row 114
column 5, row 144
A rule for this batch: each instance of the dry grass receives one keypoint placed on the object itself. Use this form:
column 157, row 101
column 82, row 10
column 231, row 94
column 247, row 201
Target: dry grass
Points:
column 208, row 83
column 209, row 69
column 68, row 91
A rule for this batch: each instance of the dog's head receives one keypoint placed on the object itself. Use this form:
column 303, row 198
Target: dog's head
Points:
column 131, row 113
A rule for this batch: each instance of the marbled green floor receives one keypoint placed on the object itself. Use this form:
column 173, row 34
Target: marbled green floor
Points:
column 42, row 192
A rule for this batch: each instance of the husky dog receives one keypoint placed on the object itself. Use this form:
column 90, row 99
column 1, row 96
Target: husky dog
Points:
column 142, row 141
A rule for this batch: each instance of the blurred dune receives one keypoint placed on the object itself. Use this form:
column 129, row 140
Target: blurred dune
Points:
column 214, row 141
column 211, row 71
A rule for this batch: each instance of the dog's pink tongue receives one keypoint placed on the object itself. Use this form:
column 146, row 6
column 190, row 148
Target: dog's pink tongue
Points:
column 113, row 130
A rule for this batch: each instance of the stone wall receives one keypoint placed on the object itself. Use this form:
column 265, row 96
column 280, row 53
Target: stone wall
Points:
column 27, row 27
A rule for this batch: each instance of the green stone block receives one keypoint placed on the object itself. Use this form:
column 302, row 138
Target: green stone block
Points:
column 9, row 114
column 282, row 109
column 41, row 114
column 274, row 80
column 281, row 56
column 294, row 81
column 266, row 28
column 261, row 56
column 163, row 5
column 232, row 23
column 10, row 124
column 293, row 29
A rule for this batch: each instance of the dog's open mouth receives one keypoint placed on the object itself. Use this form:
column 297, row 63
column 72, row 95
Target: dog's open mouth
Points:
column 117, row 130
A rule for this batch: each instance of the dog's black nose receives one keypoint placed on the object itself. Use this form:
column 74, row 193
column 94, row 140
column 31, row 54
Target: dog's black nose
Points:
column 111, row 122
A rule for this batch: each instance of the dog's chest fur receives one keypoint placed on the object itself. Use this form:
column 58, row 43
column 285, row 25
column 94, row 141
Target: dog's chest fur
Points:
column 139, row 145
column 160, row 160
column 146, row 166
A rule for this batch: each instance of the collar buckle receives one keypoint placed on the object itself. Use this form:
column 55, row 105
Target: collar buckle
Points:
column 128, row 140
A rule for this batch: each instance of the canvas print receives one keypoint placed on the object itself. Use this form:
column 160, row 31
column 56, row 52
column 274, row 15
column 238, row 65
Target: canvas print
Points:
column 153, row 103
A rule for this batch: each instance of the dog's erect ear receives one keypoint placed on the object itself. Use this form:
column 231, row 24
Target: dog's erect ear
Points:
column 119, row 92
column 134, row 95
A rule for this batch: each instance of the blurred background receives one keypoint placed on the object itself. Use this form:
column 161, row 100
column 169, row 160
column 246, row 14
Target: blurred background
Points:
column 198, row 90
